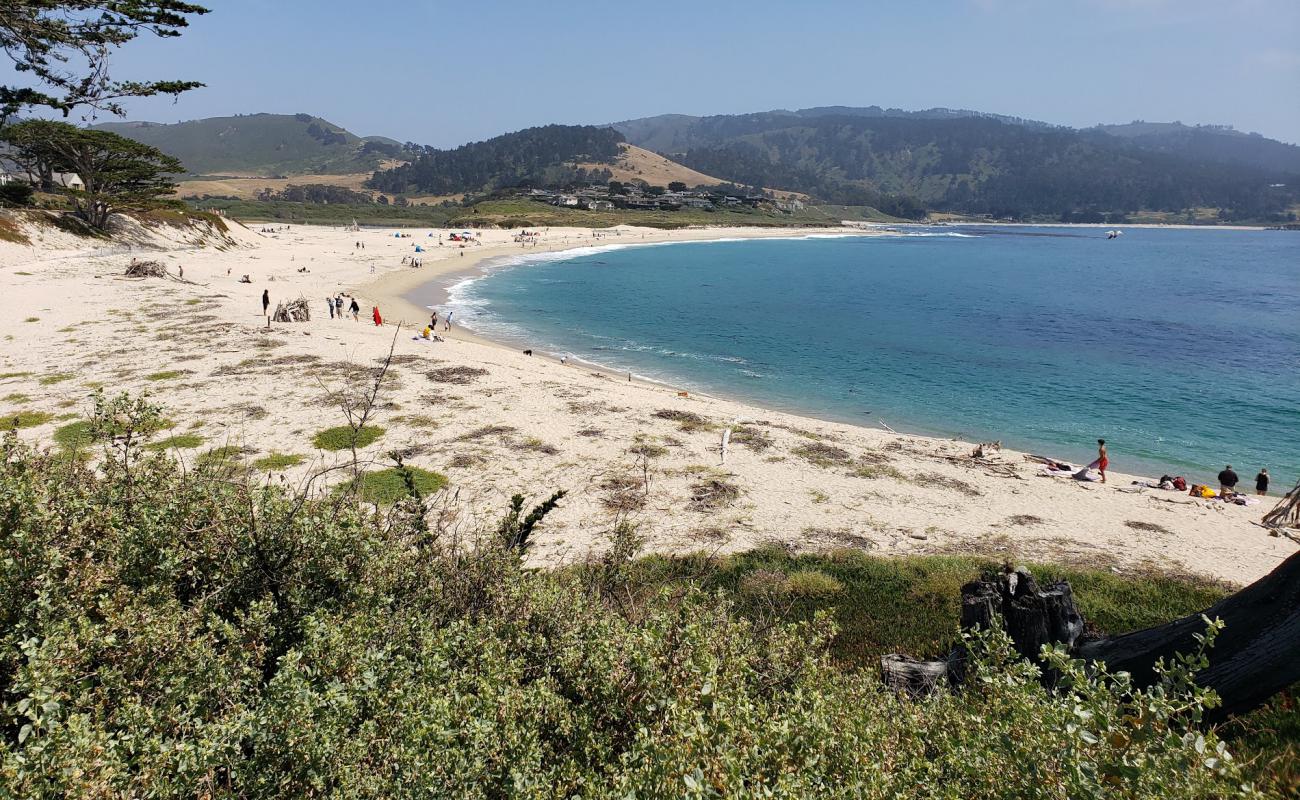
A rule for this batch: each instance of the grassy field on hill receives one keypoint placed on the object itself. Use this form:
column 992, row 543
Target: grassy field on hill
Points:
column 528, row 213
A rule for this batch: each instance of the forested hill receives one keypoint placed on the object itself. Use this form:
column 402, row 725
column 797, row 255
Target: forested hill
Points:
column 963, row 161
column 1211, row 143
column 262, row 144
column 539, row 156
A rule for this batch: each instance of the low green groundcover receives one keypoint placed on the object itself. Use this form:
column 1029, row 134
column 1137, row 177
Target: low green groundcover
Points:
column 387, row 486
column 340, row 438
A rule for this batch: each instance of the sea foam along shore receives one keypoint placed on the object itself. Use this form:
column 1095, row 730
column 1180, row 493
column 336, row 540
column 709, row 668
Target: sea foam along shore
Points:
column 496, row 421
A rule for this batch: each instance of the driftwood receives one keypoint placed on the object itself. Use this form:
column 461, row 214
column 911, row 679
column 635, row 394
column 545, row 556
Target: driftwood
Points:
column 152, row 269
column 1254, row 657
column 292, row 311
column 1286, row 514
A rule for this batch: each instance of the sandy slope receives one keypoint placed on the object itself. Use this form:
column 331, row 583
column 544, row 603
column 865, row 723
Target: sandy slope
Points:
column 533, row 425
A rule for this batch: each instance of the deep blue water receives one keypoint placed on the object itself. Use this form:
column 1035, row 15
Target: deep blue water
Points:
column 1180, row 348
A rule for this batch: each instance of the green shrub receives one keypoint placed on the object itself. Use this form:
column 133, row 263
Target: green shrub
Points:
column 387, row 486
column 340, row 438
column 165, row 375
column 182, row 441
column 26, row 419
column 175, row 633
column 74, row 435
column 58, row 377
column 276, row 461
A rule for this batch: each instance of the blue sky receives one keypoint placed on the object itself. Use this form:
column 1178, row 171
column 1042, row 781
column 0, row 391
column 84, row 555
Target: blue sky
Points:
column 445, row 73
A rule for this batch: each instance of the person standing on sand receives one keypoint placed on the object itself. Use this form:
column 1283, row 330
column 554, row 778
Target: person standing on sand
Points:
column 355, row 308
column 266, row 300
column 378, row 319
column 1227, row 480
column 447, row 324
column 1261, row 483
column 1102, row 461
column 329, row 303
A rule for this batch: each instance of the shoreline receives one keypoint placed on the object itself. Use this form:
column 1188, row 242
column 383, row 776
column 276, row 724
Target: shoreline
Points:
column 496, row 422
column 395, row 289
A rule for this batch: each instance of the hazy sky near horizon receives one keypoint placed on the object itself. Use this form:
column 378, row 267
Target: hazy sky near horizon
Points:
column 445, row 73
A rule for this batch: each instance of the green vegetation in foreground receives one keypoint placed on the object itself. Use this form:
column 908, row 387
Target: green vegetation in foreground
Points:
column 165, row 375
column 340, row 438
column 57, row 377
column 387, row 486
column 372, row 655
column 16, row 397
column 74, row 435
column 277, row 461
column 4, row 376
column 181, row 441
column 27, row 419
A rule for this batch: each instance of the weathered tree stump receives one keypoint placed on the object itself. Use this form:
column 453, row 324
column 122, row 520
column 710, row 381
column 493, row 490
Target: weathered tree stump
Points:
column 1256, row 655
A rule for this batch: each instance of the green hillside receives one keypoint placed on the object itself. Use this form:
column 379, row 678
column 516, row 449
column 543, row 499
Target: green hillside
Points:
column 977, row 163
column 262, row 144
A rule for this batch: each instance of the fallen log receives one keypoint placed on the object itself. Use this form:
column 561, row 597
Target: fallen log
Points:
column 1256, row 655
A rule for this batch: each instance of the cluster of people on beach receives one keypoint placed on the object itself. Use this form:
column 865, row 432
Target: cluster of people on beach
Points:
column 358, row 245
column 414, row 262
column 1228, row 478
column 337, row 308
column 276, row 229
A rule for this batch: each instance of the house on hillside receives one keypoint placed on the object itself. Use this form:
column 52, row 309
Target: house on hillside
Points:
column 68, row 180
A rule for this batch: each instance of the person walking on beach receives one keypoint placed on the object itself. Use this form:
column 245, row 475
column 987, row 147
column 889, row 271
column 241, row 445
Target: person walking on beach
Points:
column 355, row 308
column 1227, row 480
column 433, row 321
column 266, row 300
column 447, row 323
column 329, row 303
column 378, row 319
column 1102, row 461
column 1261, row 483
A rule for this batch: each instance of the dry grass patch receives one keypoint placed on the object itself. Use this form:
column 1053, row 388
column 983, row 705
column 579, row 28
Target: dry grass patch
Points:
column 1147, row 527
column 623, row 493
column 1025, row 519
column 822, row 454
column 751, row 438
column 591, row 433
column 487, row 431
column 934, row 479
column 459, row 375
column 687, row 421
column 466, row 461
column 713, row 494
column 535, row 445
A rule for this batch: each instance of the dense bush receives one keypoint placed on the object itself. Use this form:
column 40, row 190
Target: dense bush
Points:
column 175, row 634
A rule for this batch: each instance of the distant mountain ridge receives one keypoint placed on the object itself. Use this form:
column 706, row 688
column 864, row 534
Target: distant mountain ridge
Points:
column 262, row 144
column 968, row 161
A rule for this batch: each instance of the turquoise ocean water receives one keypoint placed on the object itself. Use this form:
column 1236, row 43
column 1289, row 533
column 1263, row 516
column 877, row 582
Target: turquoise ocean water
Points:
column 1181, row 348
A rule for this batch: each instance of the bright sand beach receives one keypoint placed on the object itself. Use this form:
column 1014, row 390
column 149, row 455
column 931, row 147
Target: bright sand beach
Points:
column 497, row 422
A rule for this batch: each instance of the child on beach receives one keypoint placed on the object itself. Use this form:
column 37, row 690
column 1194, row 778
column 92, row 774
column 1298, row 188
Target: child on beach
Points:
column 1261, row 483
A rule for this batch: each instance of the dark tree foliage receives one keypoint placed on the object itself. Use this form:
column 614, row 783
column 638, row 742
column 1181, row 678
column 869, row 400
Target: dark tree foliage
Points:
column 65, row 46
column 527, row 157
column 975, row 164
column 315, row 193
column 118, row 173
